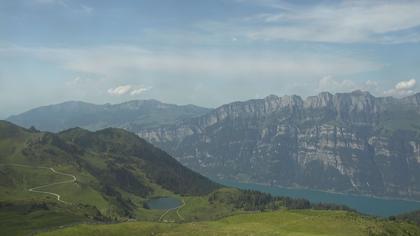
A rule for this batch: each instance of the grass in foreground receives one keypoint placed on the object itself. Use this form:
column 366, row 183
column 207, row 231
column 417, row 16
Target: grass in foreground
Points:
column 25, row 217
column 298, row 222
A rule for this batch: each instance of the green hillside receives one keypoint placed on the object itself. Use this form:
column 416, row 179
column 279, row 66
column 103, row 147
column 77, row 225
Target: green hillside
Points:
column 413, row 217
column 298, row 222
column 116, row 173
column 90, row 183
column 103, row 176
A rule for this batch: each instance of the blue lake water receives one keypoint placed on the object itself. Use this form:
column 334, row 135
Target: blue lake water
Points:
column 364, row 204
column 163, row 203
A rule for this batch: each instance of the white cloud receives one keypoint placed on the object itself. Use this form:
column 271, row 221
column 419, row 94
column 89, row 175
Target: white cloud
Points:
column 119, row 90
column 344, row 22
column 402, row 88
column 405, row 85
column 128, row 89
column 139, row 90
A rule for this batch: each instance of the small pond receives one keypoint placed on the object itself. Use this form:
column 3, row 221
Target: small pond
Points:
column 162, row 203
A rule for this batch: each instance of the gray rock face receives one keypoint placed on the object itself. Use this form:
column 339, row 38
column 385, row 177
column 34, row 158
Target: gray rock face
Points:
column 346, row 142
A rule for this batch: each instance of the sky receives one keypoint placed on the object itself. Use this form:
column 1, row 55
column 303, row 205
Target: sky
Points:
column 203, row 52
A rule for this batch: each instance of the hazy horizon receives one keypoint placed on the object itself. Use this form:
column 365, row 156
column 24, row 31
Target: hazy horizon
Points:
column 205, row 53
column 168, row 102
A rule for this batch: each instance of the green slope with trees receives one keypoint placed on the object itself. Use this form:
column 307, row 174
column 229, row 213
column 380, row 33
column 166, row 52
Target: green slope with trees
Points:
column 115, row 174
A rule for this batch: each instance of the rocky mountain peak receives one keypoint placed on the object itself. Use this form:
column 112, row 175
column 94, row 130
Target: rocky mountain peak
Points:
column 324, row 99
column 292, row 101
column 271, row 97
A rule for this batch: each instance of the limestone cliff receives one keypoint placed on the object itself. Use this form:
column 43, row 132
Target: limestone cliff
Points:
column 346, row 142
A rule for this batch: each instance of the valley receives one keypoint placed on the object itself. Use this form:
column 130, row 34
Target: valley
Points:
column 209, row 118
column 351, row 143
column 93, row 181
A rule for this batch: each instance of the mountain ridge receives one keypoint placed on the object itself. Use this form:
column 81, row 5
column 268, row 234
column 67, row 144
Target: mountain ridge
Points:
column 128, row 115
column 273, row 103
column 343, row 142
column 109, row 159
column 346, row 142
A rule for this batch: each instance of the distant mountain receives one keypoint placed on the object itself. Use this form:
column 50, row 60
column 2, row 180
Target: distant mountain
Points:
column 345, row 142
column 131, row 115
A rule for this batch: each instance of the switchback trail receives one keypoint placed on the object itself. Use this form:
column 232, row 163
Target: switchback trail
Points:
column 35, row 189
column 171, row 209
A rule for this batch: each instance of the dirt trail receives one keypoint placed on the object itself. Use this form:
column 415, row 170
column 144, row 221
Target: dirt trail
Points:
column 171, row 209
column 35, row 189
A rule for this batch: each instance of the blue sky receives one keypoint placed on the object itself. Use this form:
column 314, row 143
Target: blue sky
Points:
column 203, row 52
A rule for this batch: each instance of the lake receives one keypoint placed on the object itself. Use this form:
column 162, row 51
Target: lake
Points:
column 163, row 203
column 364, row 204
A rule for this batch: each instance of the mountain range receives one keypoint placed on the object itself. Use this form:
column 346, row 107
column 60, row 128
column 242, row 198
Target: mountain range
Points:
column 345, row 142
column 132, row 115
column 79, row 182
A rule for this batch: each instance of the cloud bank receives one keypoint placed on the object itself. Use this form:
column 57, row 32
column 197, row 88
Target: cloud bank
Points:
column 402, row 88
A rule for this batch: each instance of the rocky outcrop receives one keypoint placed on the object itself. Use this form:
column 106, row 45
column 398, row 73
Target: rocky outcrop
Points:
column 346, row 142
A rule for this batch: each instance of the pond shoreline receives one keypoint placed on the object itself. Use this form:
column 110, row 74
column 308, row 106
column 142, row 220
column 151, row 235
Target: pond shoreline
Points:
column 163, row 203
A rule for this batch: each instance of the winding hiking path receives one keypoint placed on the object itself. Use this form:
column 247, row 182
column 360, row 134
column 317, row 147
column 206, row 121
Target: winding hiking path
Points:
column 177, row 211
column 179, row 208
column 35, row 189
